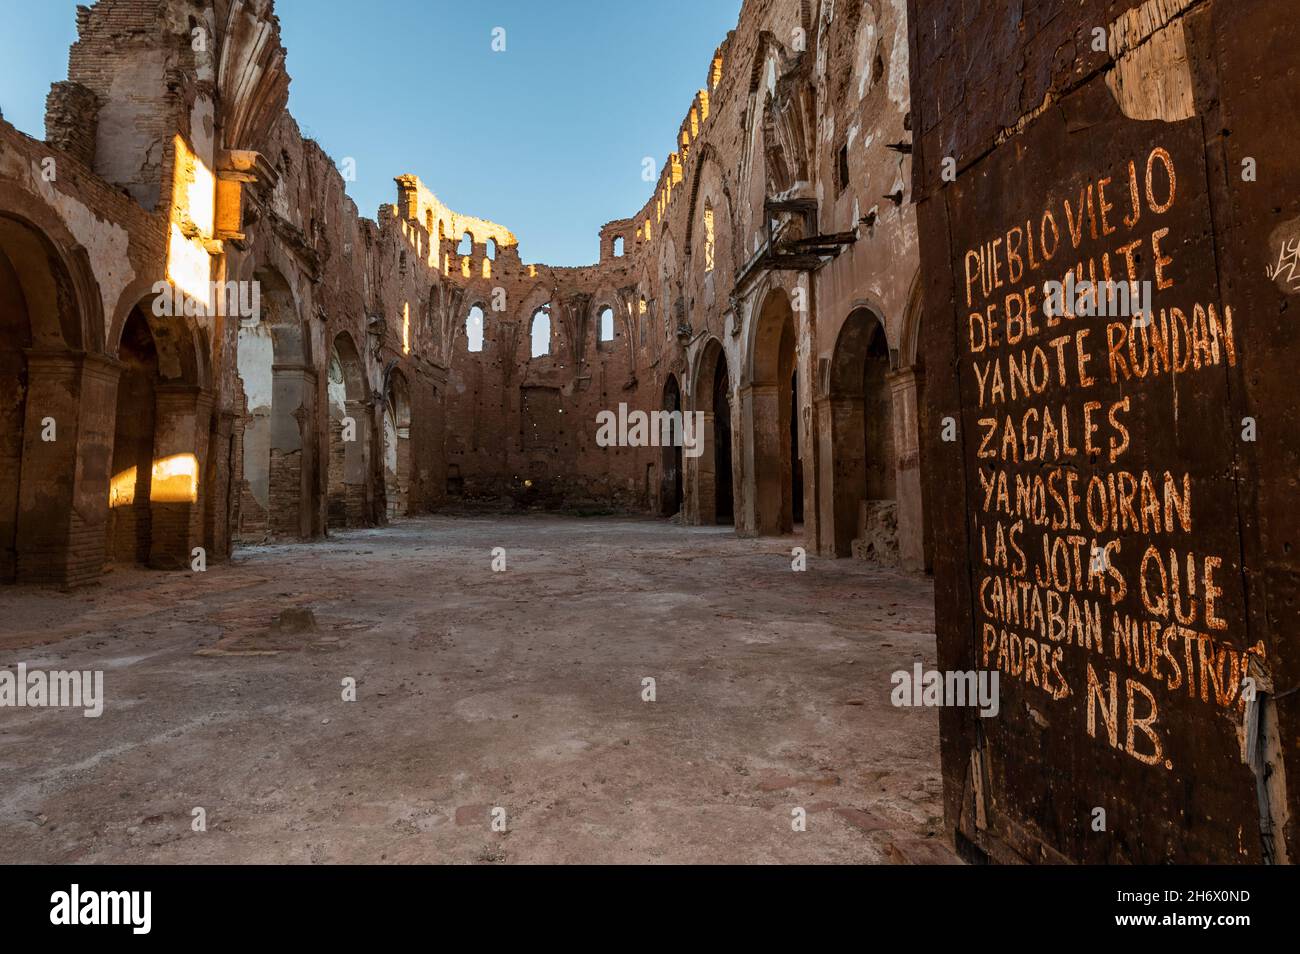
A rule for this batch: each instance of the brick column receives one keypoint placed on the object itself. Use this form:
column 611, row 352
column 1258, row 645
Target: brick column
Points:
column 701, row 495
column 292, row 441
column 823, row 423
column 355, row 469
column 181, row 433
column 63, row 492
column 903, row 386
column 219, row 496
column 761, row 511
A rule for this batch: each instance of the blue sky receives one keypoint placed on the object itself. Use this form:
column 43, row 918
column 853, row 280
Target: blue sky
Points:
column 546, row 138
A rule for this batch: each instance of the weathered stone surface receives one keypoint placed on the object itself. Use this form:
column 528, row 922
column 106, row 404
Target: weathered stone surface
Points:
column 1112, row 536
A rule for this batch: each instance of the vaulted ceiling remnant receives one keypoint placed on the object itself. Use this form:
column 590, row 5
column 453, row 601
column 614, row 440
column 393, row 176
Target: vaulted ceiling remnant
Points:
column 786, row 113
column 576, row 318
column 252, row 93
column 252, row 82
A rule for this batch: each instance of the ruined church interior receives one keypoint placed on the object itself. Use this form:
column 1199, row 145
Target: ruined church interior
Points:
column 804, row 523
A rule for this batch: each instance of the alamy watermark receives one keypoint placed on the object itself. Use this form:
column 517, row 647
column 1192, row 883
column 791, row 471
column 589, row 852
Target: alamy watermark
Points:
column 130, row 908
column 951, row 688
column 57, row 688
column 226, row 299
column 1097, row 299
column 651, row 429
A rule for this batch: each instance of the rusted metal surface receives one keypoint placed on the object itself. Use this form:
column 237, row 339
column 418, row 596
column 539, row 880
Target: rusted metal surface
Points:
column 1125, row 483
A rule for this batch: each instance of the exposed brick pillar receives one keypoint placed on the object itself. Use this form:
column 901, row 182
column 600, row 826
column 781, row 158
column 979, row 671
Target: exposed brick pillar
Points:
column 376, row 477
column 770, row 463
column 292, row 441
column 824, row 422
column 63, row 495
column 182, row 431
column 355, row 469
column 218, row 497
column 903, row 386
column 810, row 444
column 767, row 466
column 701, row 500
column 848, row 469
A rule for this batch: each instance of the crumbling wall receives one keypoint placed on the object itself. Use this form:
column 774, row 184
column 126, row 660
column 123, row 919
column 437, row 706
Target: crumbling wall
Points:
column 183, row 92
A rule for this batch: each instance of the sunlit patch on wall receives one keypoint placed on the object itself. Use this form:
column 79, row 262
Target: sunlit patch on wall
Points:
column 175, row 479
column 188, row 267
column 121, row 489
column 193, row 215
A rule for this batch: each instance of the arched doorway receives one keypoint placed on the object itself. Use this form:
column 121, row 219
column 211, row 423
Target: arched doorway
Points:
column 15, row 340
column 862, row 437
column 349, row 435
column 130, row 519
column 53, row 471
column 724, row 507
column 715, row 499
column 397, row 445
column 774, row 419
column 670, row 488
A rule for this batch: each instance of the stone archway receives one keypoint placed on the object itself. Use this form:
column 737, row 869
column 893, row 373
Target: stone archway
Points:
column 768, row 412
column 863, row 479
column 56, row 409
column 714, row 489
column 130, row 521
column 161, row 482
column 15, row 341
column 349, row 435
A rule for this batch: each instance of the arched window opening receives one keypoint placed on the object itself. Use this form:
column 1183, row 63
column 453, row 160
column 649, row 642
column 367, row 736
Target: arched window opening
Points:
column 607, row 324
column 474, row 329
column 541, row 332
column 618, row 246
column 708, row 238
column 466, row 246
column 491, row 246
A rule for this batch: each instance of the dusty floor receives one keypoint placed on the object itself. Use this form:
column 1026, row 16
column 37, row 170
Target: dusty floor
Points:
column 520, row 689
